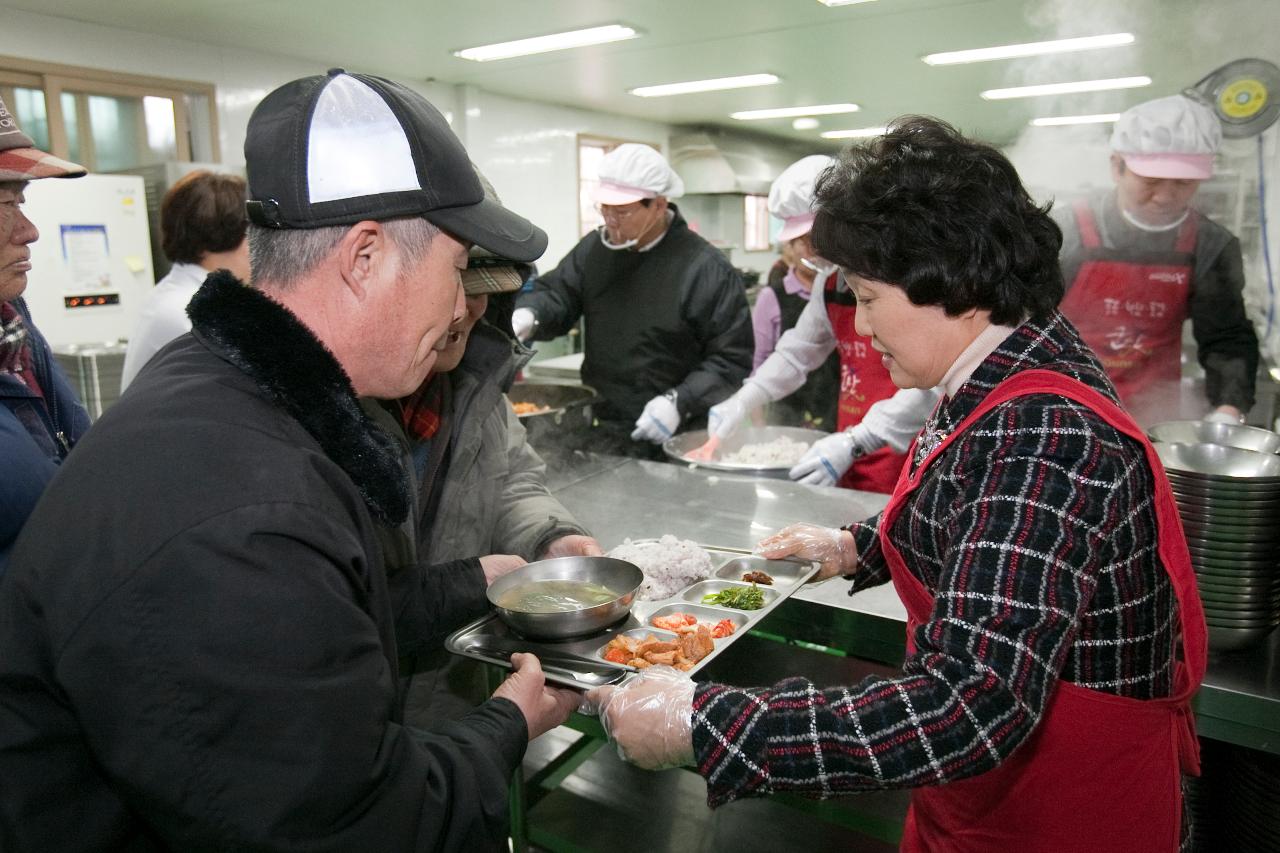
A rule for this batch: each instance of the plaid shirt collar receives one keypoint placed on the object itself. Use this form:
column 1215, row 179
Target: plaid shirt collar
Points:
column 1054, row 344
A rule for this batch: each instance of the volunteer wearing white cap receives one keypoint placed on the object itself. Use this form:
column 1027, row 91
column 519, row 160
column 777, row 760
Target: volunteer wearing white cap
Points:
column 1138, row 262
column 781, row 302
column 877, row 420
column 667, row 327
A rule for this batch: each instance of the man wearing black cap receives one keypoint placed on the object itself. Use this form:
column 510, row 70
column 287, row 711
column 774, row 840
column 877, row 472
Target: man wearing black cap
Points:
column 40, row 417
column 210, row 660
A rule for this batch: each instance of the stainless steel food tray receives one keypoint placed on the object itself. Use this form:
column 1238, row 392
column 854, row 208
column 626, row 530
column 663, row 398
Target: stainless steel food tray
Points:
column 679, row 447
column 489, row 639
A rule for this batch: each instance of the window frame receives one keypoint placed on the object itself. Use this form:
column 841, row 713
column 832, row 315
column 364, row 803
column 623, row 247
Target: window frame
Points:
column 765, row 220
column 54, row 79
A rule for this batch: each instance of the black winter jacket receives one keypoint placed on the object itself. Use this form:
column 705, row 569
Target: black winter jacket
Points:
column 673, row 317
column 200, row 642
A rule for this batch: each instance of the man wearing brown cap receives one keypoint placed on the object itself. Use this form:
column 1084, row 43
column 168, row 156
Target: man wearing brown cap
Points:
column 40, row 417
column 211, row 661
column 482, row 486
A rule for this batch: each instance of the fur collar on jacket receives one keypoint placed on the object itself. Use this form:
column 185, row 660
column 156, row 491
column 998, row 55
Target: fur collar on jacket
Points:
column 296, row 372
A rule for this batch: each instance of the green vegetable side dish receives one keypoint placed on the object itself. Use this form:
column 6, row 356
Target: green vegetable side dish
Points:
column 739, row 598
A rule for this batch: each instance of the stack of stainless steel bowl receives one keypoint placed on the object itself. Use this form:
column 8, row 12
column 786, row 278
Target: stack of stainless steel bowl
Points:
column 1226, row 480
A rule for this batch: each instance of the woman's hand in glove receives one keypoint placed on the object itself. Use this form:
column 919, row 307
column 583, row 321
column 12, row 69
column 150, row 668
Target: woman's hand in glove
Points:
column 649, row 716
column 832, row 547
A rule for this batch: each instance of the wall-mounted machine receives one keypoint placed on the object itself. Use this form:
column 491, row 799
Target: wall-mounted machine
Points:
column 91, row 269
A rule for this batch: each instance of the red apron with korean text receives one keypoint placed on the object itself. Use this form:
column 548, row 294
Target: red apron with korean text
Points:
column 1100, row 772
column 863, row 380
column 1130, row 312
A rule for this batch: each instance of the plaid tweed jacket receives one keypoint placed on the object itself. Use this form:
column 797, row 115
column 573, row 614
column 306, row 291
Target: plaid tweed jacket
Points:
column 1036, row 533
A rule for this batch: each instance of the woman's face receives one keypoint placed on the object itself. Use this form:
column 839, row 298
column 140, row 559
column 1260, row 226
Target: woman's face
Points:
column 918, row 343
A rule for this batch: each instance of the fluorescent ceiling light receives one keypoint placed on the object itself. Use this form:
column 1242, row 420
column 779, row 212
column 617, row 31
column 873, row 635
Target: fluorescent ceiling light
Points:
column 743, row 82
column 1066, row 88
column 1013, row 51
column 842, row 2
column 792, row 112
column 1056, row 121
column 805, row 123
column 546, row 44
column 856, row 133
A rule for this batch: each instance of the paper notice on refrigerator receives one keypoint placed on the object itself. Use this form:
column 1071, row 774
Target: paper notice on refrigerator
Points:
column 87, row 254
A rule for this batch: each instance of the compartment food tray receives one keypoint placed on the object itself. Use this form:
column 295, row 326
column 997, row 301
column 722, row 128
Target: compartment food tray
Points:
column 729, row 565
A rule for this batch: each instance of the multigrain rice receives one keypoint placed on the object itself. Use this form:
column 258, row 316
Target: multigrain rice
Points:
column 769, row 454
column 669, row 565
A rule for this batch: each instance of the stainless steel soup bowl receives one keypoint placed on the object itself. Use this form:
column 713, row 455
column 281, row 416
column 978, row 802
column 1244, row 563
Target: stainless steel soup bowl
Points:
column 617, row 575
column 1211, row 432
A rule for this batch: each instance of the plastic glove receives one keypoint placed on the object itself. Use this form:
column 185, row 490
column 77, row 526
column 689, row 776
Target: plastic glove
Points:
column 544, row 707
column 649, row 716
column 658, row 421
column 723, row 419
column 522, row 323
column 497, row 565
column 826, row 461
column 832, row 547
column 1225, row 415
column 573, row 545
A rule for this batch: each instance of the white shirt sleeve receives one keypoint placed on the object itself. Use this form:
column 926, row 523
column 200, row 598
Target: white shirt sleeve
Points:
column 163, row 317
column 895, row 421
column 800, row 350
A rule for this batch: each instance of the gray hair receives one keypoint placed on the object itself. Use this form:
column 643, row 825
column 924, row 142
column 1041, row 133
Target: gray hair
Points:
column 280, row 257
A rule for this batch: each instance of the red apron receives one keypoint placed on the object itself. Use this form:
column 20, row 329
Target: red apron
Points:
column 863, row 380
column 1130, row 312
column 1100, row 772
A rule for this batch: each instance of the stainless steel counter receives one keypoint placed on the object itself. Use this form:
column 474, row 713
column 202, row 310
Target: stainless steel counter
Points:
column 617, row 499
column 639, row 500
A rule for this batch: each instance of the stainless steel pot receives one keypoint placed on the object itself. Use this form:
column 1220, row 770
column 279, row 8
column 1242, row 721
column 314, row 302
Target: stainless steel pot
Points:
column 564, row 407
column 617, row 575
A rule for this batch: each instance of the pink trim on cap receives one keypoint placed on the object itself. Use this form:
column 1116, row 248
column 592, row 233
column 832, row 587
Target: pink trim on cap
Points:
column 1195, row 167
column 607, row 192
column 796, row 226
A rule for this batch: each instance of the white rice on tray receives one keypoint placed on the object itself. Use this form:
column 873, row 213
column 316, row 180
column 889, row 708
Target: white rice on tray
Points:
column 781, row 451
column 669, row 565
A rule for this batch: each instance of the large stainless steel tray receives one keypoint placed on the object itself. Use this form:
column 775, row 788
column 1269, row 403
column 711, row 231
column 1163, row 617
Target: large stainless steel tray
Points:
column 489, row 639
column 679, row 447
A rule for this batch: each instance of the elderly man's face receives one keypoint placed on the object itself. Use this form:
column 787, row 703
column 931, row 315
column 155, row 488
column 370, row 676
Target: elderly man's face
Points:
column 410, row 318
column 17, row 233
column 460, row 333
column 1152, row 201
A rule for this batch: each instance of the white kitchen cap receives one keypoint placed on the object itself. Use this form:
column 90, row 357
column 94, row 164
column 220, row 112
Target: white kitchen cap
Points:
column 632, row 172
column 791, row 196
column 1174, row 137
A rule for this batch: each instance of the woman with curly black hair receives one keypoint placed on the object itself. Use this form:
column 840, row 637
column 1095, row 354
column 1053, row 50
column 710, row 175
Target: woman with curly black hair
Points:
column 1054, row 633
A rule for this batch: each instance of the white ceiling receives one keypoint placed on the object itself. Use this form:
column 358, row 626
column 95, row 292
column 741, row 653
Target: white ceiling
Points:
column 867, row 53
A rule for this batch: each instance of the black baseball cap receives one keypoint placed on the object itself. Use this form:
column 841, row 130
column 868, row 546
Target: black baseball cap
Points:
column 338, row 148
